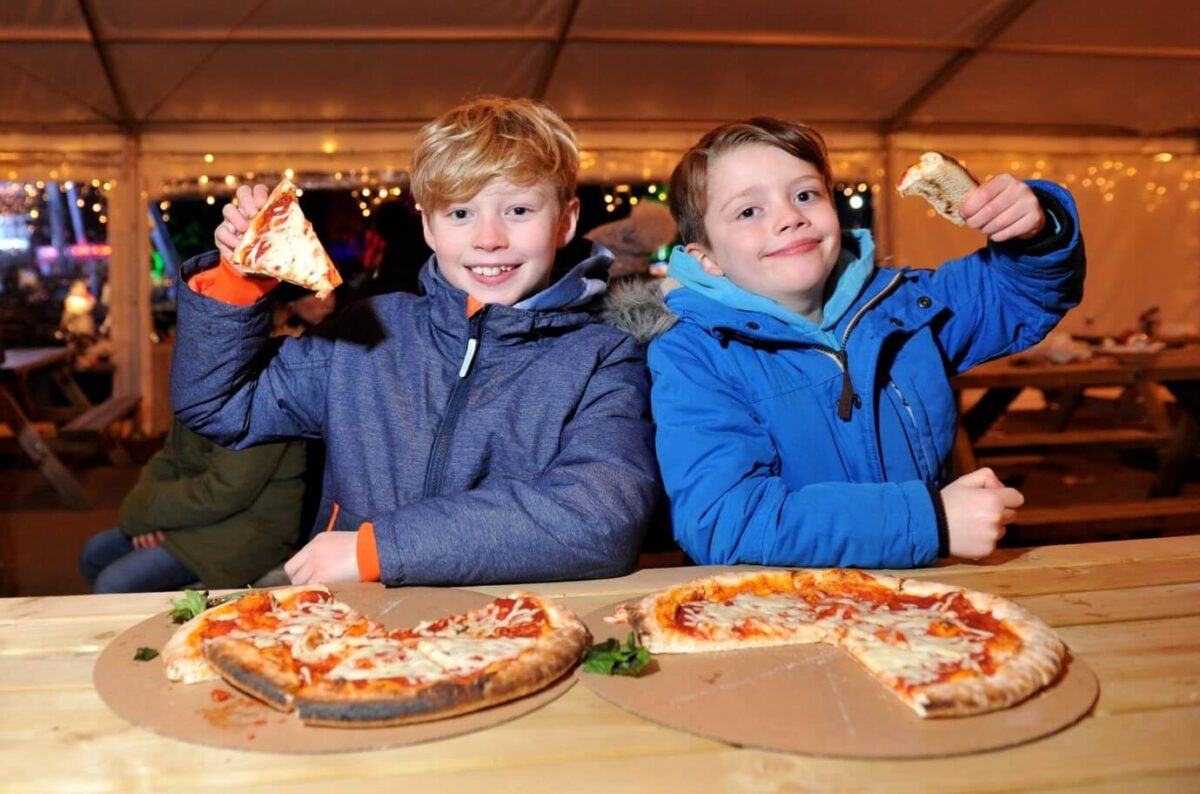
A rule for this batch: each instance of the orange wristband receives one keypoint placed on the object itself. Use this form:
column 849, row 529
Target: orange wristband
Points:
column 368, row 553
column 227, row 285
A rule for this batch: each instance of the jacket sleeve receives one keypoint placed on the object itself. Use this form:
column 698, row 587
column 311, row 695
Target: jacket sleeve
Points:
column 729, row 502
column 233, row 384
column 1006, row 297
column 582, row 518
column 230, row 484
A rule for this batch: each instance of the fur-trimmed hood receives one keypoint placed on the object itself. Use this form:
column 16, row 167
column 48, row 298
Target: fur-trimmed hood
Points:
column 638, row 307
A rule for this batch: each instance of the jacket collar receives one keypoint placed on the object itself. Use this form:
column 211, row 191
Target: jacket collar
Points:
column 717, row 303
column 565, row 304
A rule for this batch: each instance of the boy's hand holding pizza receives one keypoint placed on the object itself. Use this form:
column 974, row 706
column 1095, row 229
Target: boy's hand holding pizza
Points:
column 237, row 218
column 1004, row 208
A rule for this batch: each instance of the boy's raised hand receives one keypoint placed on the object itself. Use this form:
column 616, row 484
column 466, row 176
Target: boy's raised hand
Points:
column 978, row 507
column 1004, row 208
column 237, row 218
column 329, row 557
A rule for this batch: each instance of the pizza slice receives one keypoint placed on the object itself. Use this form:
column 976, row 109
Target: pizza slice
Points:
column 256, row 613
column 281, row 243
column 942, row 181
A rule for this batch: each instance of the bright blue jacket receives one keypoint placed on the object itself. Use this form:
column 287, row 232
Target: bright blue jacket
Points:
column 512, row 446
column 828, row 447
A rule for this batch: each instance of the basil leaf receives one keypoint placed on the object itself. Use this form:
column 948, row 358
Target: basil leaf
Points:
column 611, row 658
column 189, row 606
column 144, row 654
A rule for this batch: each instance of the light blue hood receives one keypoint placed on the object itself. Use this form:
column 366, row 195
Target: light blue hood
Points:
column 855, row 265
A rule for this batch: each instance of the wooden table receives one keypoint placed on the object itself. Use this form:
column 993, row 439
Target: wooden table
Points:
column 1129, row 609
column 1177, row 369
column 18, row 408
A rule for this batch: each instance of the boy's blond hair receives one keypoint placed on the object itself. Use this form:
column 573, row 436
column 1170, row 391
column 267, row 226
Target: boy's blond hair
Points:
column 689, row 180
column 520, row 140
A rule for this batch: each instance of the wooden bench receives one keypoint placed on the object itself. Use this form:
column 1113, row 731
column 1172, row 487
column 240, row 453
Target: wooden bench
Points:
column 96, row 423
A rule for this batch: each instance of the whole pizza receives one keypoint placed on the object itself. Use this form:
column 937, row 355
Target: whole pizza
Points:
column 944, row 651
column 300, row 649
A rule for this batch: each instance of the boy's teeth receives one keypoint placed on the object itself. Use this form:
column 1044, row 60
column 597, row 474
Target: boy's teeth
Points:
column 491, row 271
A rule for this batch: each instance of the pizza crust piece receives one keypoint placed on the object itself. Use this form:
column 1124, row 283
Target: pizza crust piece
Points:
column 942, row 181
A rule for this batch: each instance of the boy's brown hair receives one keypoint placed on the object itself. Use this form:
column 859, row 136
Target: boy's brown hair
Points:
column 520, row 140
column 689, row 180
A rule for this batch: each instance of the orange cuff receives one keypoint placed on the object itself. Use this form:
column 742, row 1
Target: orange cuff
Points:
column 227, row 285
column 368, row 553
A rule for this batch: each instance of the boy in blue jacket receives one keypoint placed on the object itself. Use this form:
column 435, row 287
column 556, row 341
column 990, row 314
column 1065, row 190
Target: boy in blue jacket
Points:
column 488, row 430
column 803, row 402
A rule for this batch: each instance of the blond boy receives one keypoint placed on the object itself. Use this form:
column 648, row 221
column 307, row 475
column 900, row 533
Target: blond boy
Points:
column 488, row 430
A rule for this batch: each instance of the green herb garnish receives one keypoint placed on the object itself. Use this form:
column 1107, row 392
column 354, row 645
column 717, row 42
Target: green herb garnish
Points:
column 194, row 602
column 144, row 654
column 611, row 658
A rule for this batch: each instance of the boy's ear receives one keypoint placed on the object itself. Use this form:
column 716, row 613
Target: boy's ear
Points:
column 568, row 222
column 428, row 232
column 701, row 255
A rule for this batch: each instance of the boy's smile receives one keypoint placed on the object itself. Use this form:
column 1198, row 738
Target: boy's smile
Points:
column 499, row 245
column 772, row 228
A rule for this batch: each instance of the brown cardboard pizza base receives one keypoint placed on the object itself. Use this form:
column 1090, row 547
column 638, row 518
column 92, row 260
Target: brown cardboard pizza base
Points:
column 216, row 714
column 816, row 700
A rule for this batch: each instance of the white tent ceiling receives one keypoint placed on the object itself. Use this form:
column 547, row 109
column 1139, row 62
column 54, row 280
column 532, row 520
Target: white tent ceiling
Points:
column 1105, row 67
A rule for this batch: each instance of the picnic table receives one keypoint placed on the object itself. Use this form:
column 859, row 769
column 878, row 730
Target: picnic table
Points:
column 1175, row 369
column 1129, row 609
column 21, row 409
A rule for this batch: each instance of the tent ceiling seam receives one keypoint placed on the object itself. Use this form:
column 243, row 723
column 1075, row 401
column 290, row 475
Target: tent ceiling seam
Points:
column 204, row 59
column 1007, row 16
column 126, row 120
column 560, row 41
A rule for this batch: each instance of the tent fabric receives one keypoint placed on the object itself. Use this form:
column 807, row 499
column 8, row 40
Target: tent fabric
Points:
column 1083, row 65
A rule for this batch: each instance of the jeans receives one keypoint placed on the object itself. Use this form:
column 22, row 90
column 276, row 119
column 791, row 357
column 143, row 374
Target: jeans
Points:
column 111, row 564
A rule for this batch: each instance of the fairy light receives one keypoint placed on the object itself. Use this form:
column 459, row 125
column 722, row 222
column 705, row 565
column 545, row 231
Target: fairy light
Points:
column 289, row 173
column 208, row 158
column 209, row 200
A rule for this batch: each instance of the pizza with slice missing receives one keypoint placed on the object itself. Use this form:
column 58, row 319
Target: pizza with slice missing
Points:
column 944, row 651
column 281, row 243
column 300, row 649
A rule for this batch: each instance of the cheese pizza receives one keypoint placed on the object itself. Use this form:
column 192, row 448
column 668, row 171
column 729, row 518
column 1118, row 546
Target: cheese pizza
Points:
column 299, row 649
column 944, row 651
column 281, row 243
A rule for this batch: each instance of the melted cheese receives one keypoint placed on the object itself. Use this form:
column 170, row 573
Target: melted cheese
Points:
column 896, row 644
column 462, row 656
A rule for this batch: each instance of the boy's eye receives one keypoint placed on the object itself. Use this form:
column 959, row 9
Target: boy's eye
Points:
column 748, row 212
column 806, row 195
column 520, row 211
column 458, row 215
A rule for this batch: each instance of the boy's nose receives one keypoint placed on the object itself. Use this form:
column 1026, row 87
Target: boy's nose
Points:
column 489, row 235
column 789, row 218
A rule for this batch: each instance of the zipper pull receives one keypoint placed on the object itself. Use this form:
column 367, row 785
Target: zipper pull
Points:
column 845, row 403
column 473, row 342
column 472, row 346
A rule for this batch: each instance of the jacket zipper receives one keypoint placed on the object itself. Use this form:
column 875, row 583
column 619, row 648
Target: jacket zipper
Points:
column 435, row 471
column 917, row 433
column 845, row 402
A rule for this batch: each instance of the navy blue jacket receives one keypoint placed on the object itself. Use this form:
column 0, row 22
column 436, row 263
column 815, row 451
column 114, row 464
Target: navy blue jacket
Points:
column 780, row 449
column 530, row 459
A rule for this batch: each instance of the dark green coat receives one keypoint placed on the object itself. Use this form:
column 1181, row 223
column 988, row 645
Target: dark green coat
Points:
column 229, row 516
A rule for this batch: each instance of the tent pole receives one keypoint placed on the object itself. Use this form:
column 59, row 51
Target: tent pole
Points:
column 129, row 279
column 888, row 195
